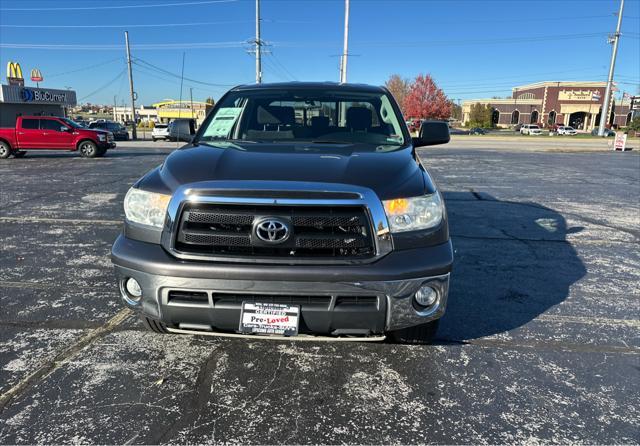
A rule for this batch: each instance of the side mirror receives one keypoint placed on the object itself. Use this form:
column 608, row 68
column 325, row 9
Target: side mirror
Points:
column 64, row 128
column 432, row 133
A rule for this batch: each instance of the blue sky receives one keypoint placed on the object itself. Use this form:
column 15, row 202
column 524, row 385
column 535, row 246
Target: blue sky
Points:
column 472, row 48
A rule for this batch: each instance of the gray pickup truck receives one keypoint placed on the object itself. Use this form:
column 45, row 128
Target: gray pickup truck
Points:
column 298, row 210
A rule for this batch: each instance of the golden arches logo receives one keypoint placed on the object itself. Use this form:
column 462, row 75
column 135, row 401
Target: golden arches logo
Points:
column 36, row 75
column 14, row 70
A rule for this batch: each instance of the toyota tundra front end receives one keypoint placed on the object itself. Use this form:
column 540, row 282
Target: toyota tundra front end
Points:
column 300, row 210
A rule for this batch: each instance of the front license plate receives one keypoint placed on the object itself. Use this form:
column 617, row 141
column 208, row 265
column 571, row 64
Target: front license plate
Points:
column 273, row 319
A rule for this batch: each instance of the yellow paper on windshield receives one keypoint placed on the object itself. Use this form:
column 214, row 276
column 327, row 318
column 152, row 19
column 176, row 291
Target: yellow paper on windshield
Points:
column 222, row 123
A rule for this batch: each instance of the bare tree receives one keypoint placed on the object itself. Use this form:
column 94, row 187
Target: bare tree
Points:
column 399, row 88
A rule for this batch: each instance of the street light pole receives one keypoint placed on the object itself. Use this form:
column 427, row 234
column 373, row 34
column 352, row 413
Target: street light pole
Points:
column 345, row 47
column 191, row 96
column 134, row 133
column 258, row 45
column 604, row 115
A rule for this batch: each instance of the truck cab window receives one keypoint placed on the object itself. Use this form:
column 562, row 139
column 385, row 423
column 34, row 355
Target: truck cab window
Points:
column 52, row 125
column 30, row 124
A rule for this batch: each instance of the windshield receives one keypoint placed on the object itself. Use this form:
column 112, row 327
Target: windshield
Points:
column 314, row 115
column 71, row 123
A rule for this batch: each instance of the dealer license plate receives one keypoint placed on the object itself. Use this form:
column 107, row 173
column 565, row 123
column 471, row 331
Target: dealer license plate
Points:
column 273, row 319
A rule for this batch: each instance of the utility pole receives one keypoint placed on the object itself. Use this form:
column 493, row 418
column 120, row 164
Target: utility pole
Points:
column 258, row 45
column 604, row 114
column 191, row 95
column 134, row 134
column 114, row 108
column 345, row 48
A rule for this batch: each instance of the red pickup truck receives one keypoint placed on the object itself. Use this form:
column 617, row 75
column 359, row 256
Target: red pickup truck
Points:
column 53, row 133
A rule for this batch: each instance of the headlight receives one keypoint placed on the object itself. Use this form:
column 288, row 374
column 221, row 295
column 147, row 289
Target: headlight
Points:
column 412, row 214
column 147, row 208
column 101, row 136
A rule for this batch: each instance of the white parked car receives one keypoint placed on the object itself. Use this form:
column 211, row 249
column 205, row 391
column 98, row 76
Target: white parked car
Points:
column 160, row 131
column 530, row 129
column 566, row 130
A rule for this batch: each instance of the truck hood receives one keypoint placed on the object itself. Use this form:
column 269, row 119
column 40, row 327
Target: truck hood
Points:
column 391, row 174
column 105, row 132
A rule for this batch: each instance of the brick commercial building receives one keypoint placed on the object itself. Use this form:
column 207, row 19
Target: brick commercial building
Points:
column 577, row 104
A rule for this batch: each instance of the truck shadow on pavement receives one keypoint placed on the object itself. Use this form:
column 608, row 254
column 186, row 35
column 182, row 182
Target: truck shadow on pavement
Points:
column 512, row 263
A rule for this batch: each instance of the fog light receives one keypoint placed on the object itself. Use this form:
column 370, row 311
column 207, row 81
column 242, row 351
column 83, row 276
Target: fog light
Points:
column 133, row 288
column 426, row 296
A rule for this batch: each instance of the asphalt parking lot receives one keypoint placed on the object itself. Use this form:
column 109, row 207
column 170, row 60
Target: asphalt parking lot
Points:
column 541, row 341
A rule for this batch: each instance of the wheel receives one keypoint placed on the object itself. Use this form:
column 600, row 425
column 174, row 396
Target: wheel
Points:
column 418, row 334
column 153, row 325
column 5, row 150
column 88, row 149
column 19, row 154
column 153, row 139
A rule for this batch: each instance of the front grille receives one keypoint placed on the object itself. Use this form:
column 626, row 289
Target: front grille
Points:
column 335, row 232
column 237, row 299
column 359, row 301
column 187, row 297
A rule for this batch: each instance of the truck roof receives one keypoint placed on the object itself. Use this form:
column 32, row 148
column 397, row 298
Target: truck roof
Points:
column 310, row 86
column 40, row 117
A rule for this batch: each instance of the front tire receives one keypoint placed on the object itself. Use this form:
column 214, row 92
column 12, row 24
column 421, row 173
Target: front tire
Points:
column 88, row 149
column 417, row 335
column 154, row 325
column 5, row 150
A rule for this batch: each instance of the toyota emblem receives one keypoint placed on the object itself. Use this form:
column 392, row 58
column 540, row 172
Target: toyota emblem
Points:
column 272, row 230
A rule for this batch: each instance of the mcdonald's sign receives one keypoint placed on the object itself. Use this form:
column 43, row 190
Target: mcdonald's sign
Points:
column 36, row 75
column 14, row 74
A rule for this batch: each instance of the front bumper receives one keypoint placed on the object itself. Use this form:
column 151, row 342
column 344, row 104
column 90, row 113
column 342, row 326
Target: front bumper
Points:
column 388, row 286
column 106, row 145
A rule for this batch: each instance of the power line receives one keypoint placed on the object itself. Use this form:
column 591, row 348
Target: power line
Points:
column 307, row 44
column 275, row 69
column 148, row 25
column 292, row 44
column 91, row 8
column 86, row 68
column 155, row 25
column 486, row 41
column 527, row 76
column 111, row 47
column 144, row 71
column 284, row 69
column 514, row 83
column 137, row 61
column 104, row 86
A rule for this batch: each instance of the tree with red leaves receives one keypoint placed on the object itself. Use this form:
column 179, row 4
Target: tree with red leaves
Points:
column 426, row 101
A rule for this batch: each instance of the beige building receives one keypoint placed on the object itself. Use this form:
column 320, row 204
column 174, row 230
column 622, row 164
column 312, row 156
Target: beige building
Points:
column 170, row 109
column 144, row 113
column 578, row 104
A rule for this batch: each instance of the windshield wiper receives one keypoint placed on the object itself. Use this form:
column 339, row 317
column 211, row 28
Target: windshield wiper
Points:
column 330, row 141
